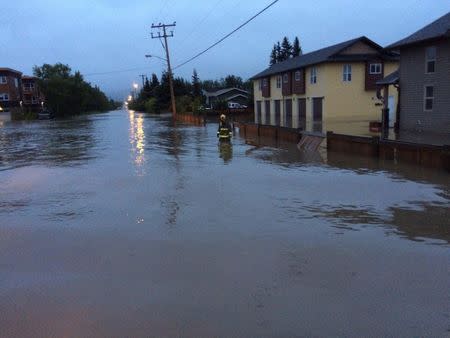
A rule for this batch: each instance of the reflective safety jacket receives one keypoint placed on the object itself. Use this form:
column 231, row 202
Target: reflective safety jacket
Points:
column 224, row 131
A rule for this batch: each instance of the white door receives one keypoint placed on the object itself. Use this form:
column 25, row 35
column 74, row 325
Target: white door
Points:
column 391, row 106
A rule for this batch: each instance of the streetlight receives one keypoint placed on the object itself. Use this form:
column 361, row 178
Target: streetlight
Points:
column 155, row 56
column 135, row 86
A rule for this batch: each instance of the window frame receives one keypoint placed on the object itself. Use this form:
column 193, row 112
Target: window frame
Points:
column 265, row 82
column 279, row 81
column 260, row 82
column 3, row 79
column 432, row 60
column 347, row 73
column 4, row 97
column 285, row 78
column 375, row 72
column 313, row 75
column 426, row 97
column 298, row 76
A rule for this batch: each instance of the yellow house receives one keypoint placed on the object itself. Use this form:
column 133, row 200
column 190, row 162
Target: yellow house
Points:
column 331, row 89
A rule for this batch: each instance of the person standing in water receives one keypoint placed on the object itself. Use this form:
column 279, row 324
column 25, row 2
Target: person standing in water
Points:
column 224, row 131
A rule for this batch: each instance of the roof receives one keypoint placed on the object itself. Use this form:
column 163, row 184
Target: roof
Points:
column 327, row 54
column 223, row 91
column 392, row 78
column 4, row 69
column 436, row 29
column 27, row 77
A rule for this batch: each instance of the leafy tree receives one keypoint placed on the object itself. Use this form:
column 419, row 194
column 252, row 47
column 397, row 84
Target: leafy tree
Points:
column 296, row 48
column 232, row 81
column 68, row 94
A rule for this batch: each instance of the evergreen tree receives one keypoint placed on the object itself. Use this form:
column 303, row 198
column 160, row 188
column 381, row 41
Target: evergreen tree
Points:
column 273, row 55
column 296, row 49
column 286, row 49
column 196, row 88
column 278, row 52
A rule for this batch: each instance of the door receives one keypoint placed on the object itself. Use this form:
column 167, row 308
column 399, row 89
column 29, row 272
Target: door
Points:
column 302, row 113
column 267, row 115
column 317, row 106
column 277, row 112
column 391, row 106
column 288, row 115
column 258, row 112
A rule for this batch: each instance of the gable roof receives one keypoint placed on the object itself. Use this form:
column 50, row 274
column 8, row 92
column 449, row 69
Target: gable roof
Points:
column 319, row 56
column 4, row 69
column 436, row 29
column 392, row 78
column 223, row 91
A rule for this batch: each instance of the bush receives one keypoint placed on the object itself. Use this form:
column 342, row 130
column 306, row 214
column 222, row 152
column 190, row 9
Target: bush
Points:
column 151, row 106
column 184, row 104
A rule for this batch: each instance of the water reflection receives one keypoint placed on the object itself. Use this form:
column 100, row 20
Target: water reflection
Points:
column 137, row 141
column 225, row 151
column 56, row 143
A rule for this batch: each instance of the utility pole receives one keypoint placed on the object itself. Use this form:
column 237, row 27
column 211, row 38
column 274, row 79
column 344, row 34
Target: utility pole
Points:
column 143, row 80
column 165, row 36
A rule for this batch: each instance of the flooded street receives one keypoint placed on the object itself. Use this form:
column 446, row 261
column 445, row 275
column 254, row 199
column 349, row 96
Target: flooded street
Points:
column 122, row 225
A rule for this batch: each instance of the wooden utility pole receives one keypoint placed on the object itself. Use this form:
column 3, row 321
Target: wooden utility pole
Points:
column 165, row 36
column 143, row 80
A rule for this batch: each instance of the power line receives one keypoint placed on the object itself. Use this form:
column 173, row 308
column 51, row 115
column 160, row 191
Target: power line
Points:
column 226, row 36
column 197, row 25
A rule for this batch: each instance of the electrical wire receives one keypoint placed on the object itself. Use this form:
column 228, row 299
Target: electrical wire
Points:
column 226, row 36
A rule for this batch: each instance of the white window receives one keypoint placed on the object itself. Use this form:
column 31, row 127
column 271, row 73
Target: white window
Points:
column 3, row 79
column 298, row 75
column 260, row 84
column 278, row 81
column 375, row 68
column 313, row 75
column 264, row 82
column 347, row 73
column 430, row 59
column 428, row 98
column 4, row 97
column 285, row 78
column 16, row 82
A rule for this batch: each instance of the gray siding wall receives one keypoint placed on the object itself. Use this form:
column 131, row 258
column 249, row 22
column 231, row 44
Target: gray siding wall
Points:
column 413, row 80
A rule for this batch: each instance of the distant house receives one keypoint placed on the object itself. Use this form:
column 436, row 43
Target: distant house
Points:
column 235, row 95
column 31, row 95
column 10, row 88
column 333, row 88
column 424, row 78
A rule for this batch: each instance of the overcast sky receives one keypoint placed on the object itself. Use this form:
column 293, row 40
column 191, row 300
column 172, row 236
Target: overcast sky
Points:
column 96, row 36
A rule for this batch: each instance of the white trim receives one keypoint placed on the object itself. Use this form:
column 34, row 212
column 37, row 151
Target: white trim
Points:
column 425, row 97
column 279, row 81
column 313, row 75
column 3, row 79
column 377, row 68
column 347, row 73
column 431, row 59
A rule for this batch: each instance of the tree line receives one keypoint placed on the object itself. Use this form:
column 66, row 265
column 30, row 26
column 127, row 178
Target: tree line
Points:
column 67, row 93
column 285, row 50
column 154, row 96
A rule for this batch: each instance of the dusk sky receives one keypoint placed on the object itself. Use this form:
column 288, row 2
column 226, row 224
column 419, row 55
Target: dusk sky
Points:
column 96, row 36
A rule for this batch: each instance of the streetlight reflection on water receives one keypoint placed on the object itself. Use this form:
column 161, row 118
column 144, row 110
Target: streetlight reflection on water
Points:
column 137, row 141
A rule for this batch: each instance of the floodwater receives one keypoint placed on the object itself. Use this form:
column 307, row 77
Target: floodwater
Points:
column 122, row 225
